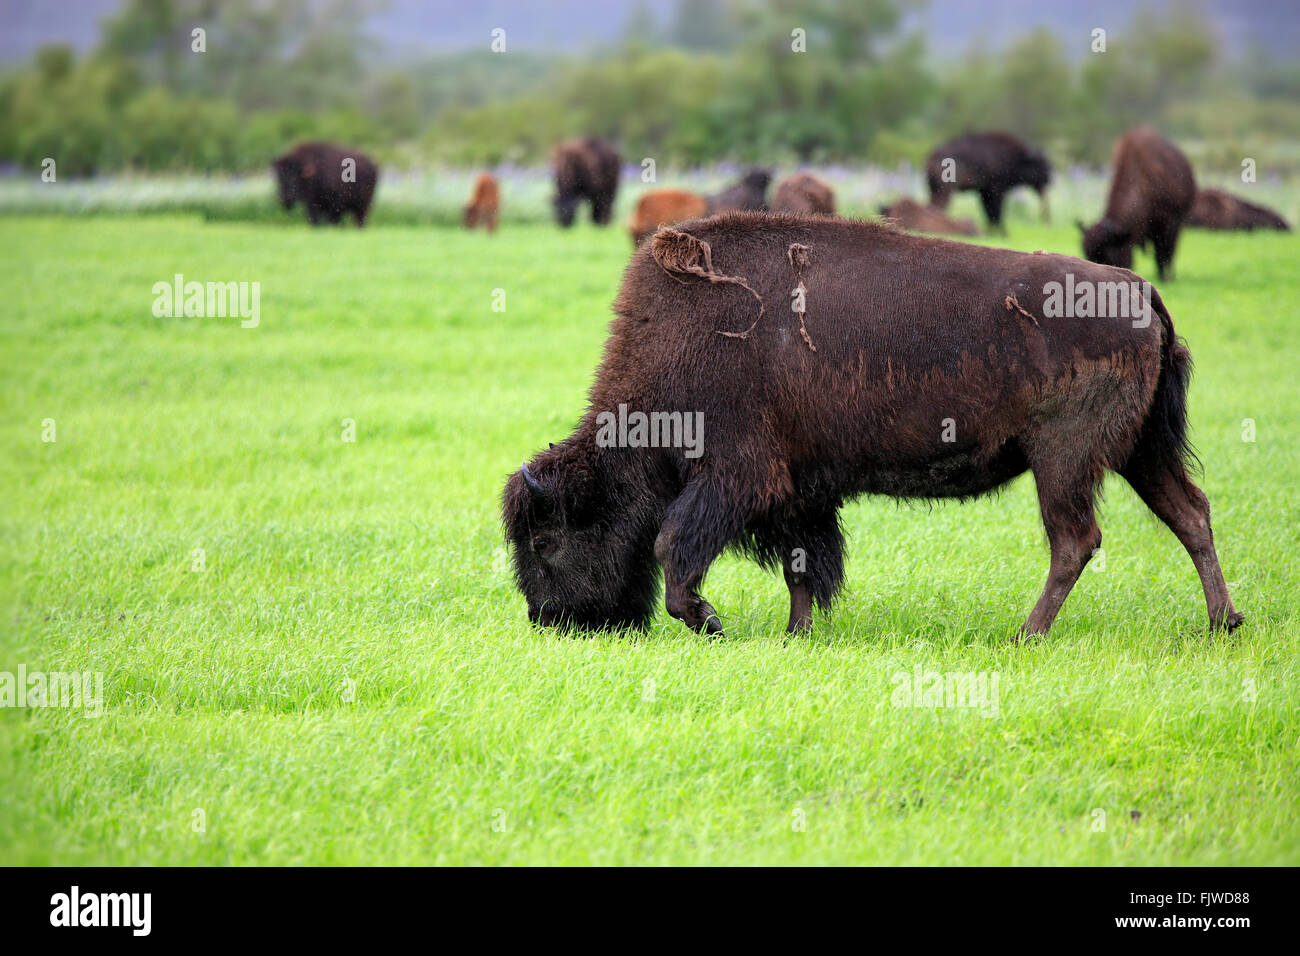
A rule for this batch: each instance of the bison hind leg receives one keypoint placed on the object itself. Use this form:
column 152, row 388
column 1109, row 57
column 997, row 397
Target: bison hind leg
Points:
column 1165, row 488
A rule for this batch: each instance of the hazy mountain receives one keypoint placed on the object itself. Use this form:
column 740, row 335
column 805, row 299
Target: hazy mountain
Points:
column 418, row 26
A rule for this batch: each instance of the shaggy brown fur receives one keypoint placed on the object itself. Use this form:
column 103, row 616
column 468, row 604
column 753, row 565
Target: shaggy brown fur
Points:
column 937, row 373
column 1151, row 193
column 804, row 194
column 484, row 203
column 1214, row 209
column 315, row 174
column 662, row 207
column 991, row 164
column 911, row 215
column 585, row 169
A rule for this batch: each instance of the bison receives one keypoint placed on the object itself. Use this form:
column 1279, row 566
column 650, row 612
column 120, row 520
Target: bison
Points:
column 911, row 215
column 661, row 207
column 804, row 194
column 917, row 368
column 991, row 164
column 1214, row 209
column 750, row 192
column 330, row 180
column 585, row 169
column 1151, row 192
column 484, row 204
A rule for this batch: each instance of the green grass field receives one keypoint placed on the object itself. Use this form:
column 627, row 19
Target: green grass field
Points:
column 350, row 677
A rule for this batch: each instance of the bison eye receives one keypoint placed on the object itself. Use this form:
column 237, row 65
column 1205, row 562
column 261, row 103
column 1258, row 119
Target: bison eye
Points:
column 543, row 545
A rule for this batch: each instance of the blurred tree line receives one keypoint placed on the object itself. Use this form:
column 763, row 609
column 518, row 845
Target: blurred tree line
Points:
column 719, row 81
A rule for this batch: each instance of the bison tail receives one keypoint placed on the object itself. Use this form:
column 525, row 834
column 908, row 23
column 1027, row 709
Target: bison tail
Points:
column 1163, row 439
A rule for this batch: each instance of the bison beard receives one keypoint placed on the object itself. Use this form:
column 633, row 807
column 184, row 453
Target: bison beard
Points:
column 936, row 374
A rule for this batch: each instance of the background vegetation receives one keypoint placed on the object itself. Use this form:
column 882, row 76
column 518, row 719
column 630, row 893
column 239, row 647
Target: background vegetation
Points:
column 716, row 83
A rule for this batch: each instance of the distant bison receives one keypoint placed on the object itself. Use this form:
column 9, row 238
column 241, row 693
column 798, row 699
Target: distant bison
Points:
column 661, row 207
column 991, row 164
column 913, row 367
column 911, row 215
column 1214, row 209
column 585, row 169
column 804, row 194
column 330, row 180
column 1151, row 192
column 750, row 193
column 484, row 204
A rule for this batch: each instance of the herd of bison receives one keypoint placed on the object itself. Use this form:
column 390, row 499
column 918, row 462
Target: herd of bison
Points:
column 1153, row 192
column 825, row 358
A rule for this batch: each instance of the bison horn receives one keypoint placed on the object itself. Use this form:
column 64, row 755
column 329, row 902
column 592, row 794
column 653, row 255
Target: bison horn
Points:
column 534, row 486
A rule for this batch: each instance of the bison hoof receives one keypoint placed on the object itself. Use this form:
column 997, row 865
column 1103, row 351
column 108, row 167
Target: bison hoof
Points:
column 705, row 619
column 712, row 624
column 696, row 613
column 1227, row 622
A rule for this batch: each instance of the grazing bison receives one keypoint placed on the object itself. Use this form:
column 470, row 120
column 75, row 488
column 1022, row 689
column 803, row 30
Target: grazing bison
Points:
column 804, row 194
column 661, row 207
column 328, row 179
column 1151, row 192
column 1214, row 209
column 991, row 164
column 918, row 368
column 911, row 215
column 749, row 193
column 585, row 169
column 484, row 203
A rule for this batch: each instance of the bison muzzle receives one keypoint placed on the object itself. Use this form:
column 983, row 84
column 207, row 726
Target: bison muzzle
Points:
column 830, row 358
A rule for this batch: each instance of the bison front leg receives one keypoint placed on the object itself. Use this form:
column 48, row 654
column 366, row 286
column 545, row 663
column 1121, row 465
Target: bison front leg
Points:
column 991, row 199
column 800, row 600
column 813, row 565
column 695, row 529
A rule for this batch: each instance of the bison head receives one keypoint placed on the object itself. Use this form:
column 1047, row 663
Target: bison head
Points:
column 288, row 174
column 583, row 551
column 1107, row 243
